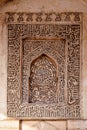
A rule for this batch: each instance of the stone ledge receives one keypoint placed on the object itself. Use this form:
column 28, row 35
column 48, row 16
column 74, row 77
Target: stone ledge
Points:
column 44, row 125
column 77, row 124
column 9, row 125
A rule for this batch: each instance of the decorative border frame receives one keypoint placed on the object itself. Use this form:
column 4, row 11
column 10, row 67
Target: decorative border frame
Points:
column 31, row 17
column 63, row 25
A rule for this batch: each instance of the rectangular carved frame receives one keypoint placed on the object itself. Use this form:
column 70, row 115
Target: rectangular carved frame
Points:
column 65, row 26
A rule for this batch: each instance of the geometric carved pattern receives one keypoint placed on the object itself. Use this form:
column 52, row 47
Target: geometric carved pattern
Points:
column 44, row 69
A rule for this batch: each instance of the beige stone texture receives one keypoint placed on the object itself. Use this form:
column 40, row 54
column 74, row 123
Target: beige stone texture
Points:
column 84, row 69
column 9, row 125
column 46, row 5
column 77, row 124
column 43, row 125
column 3, row 68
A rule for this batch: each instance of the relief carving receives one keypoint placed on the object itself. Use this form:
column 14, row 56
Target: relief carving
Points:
column 44, row 65
column 43, row 17
column 50, row 59
column 43, row 81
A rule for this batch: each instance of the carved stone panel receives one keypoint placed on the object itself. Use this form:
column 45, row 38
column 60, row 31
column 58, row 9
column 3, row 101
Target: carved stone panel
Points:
column 44, row 66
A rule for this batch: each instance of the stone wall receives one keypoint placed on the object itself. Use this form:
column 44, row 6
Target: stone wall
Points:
column 41, row 6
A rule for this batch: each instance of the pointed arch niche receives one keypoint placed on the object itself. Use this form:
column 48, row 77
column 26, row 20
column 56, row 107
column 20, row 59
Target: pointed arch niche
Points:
column 43, row 81
column 43, row 71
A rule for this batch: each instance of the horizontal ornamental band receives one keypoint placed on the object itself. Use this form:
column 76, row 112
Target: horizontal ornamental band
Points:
column 64, row 17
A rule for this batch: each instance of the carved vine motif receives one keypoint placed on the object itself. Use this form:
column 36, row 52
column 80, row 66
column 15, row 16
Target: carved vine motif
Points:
column 56, row 46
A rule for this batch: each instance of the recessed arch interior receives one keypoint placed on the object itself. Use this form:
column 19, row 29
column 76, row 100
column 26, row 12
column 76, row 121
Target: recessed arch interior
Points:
column 43, row 80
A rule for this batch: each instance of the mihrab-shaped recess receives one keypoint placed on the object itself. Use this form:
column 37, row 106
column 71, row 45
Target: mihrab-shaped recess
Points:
column 43, row 81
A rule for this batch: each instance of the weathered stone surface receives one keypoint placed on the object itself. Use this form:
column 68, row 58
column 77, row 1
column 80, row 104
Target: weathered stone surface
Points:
column 3, row 68
column 9, row 125
column 77, row 125
column 84, row 69
column 43, row 125
column 45, row 5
